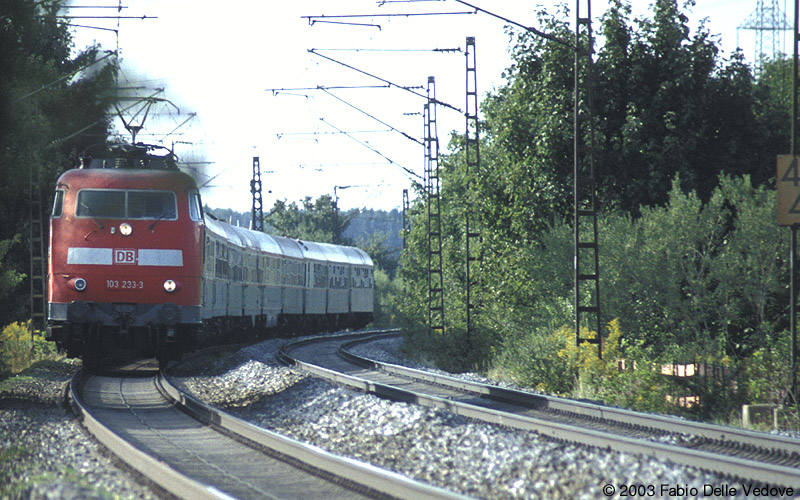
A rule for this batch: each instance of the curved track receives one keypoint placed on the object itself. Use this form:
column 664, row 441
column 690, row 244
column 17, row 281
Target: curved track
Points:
column 753, row 456
column 146, row 422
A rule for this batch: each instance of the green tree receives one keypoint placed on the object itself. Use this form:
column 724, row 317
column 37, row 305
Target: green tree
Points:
column 382, row 256
column 674, row 124
column 527, row 152
column 52, row 106
column 317, row 220
column 387, row 292
column 668, row 105
column 692, row 281
column 773, row 91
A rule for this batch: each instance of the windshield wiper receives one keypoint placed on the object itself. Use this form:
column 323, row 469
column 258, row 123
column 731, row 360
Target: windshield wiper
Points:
column 161, row 217
column 94, row 219
column 90, row 213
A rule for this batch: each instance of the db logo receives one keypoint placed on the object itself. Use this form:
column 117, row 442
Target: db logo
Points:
column 124, row 256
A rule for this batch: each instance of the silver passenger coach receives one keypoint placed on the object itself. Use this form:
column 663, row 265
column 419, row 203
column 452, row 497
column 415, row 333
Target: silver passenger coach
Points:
column 270, row 281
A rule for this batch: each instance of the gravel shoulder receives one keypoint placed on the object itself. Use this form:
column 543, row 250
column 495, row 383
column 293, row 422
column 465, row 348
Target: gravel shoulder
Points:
column 431, row 445
column 44, row 451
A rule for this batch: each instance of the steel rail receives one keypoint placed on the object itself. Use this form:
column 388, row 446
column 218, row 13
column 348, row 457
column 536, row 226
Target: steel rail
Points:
column 367, row 479
column 664, row 423
column 152, row 468
column 383, row 481
column 776, row 475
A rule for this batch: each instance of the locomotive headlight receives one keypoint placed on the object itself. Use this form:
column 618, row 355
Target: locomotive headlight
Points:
column 126, row 229
column 79, row 284
column 170, row 286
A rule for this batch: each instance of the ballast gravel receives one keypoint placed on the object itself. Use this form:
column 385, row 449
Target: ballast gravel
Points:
column 44, row 453
column 431, row 445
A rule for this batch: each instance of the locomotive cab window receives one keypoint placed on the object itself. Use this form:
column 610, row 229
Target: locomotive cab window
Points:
column 133, row 204
column 108, row 204
column 58, row 203
column 195, row 206
column 152, row 205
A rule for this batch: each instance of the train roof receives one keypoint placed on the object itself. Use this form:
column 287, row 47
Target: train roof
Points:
column 244, row 237
column 81, row 178
column 322, row 252
column 289, row 246
column 356, row 256
column 129, row 156
column 300, row 249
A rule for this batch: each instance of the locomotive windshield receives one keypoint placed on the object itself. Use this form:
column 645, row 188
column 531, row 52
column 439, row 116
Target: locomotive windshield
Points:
column 127, row 204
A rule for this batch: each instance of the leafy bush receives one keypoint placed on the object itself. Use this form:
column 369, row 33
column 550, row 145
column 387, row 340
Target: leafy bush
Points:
column 691, row 282
column 528, row 361
column 552, row 362
column 20, row 346
column 767, row 372
column 10, row 279
column 387, row 290
column 710, row 275
column 591, row 371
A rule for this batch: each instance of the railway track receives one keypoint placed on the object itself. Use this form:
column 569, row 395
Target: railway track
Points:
column 194, row 451
column 750, row 456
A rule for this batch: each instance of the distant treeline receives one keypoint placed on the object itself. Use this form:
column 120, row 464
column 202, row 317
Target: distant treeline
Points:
column 363, row 224
column 367, row 223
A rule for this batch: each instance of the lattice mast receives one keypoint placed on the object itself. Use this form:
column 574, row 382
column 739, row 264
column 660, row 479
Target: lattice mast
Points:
column 432, row 192
column 37, row 265
column 768, row 22
column 257, row 213
column 36, row 239
column 473, row 165
column 587, row 265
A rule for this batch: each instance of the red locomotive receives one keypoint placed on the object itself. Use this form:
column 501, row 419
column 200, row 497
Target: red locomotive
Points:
column 125, row 260
column 135, row 267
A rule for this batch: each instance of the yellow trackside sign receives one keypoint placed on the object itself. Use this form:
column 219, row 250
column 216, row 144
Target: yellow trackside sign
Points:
column 788, row 185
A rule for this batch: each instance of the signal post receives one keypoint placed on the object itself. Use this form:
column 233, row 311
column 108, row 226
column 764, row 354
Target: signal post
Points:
column 788, row 207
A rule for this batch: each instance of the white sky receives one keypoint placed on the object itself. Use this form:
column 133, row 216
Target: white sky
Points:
column 217, row 59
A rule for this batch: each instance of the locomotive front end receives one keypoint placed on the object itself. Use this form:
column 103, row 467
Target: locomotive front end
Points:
column 125, row 262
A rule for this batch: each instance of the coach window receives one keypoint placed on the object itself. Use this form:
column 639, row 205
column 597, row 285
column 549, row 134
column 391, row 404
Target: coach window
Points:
column 222, row 263
column 58, row 203
column 209, row 255
column 252, row 269
column 236, row 264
